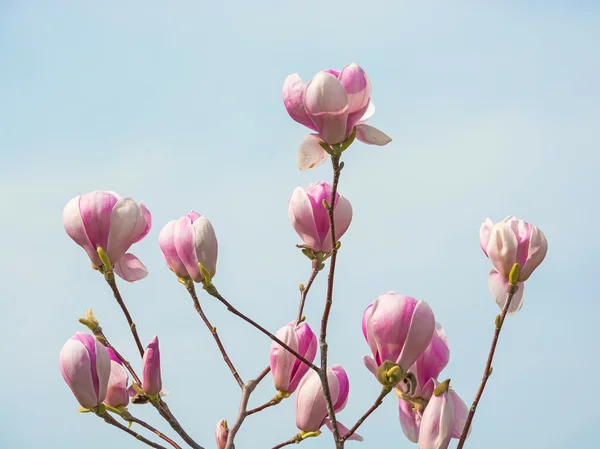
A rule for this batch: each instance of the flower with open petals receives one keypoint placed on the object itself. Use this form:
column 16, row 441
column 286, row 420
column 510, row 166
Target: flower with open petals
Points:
column 105, row 220
column 333, row 104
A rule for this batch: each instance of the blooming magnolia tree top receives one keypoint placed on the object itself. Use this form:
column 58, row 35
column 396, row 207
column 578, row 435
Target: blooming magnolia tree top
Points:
column 409, row 348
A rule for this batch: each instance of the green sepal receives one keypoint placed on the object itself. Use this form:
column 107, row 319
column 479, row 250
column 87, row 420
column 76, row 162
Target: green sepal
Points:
column 138, row 389
column 207, row 281
column 304, row 435
column 513, row 276
column 349, row 141
column 326, row 147
column 442, row 388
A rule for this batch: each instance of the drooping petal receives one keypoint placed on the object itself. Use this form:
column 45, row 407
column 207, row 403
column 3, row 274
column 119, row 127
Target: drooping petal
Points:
column 130, row 268
column 498, row 286
column 409, row 421
column 300, row 212
column 343, row 430
column 326, row 104
column 370, row 364
column 293, row 100
column 127, row 222
column 422, row 327
column 310, row 153
column 73, row 224
column 461, row 412
column 372, row 136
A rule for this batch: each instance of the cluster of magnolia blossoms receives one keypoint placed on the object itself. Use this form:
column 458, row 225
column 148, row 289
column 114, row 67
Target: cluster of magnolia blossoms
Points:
column 409, row 347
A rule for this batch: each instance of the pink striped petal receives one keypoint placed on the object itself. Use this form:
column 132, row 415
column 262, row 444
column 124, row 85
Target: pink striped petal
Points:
column 326, row 104
column 372, row 136
column 300, row 212
column 127, row 222
column 184, row 238
column 96, row 210
column 422, row 327
column 293, row 100
column 310, row 153
column 130, row 268
column 73, row 224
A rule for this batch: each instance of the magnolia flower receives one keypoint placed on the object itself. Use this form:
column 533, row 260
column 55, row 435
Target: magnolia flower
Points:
column 332, row 104
column 85, row 367
column 221, row 434
column 187, row 242
column 105, row 220
column 151, row 378
column 310, row 219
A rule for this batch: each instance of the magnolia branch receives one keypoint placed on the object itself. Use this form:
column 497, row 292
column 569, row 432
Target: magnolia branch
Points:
column 488, row 366
column 110, row 279
column 384, row 392
column 304, row 292
column 335, row 159
column 113, row 422
column 211, row 289
column 128, row 417
column 213, row 330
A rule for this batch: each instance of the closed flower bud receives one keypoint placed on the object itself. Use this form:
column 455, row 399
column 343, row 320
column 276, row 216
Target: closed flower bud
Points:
column 221, row 434
column 513, row 241
column 85, row 366
column 398, row 329
column 117, row 394
column 311, row 409
column 151, row 379
column 310, row 219
column 287, row 370
column 105, row 220
column 187, row 242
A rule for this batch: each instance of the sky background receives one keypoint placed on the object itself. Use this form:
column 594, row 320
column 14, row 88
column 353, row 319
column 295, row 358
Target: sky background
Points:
column 494, row 108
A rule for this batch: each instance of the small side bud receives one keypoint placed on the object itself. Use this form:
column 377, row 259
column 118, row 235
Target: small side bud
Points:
column 326, row 204
column 498, row 321
column 90, row 320
column 338, row 245
column 301, row 287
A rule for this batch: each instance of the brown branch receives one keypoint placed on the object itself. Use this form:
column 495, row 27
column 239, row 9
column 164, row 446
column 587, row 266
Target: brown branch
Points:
column 292, row 440
column 164, row 411
column 213, row 330
column 113, row 285
column 339, row 443
column 211, row 289
column 304, row 294
column 384, row 392
column 488, row 365
column 104, row 341
column 113, row 422
column 128, row 417
column 260, row 408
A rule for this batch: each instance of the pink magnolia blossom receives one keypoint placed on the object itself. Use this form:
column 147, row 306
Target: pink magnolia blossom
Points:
column 187, row 242
column 85, row 367
column 444, row 418
column 287, row 370
column 397, row 328
column 311, row 410
column 332, row 104
column 151, row 378
column 310, row 219
column 117, row 394
column 512, row 241
column 105, row 220
column 506, row 243
column 426, row 369
column 221, row 434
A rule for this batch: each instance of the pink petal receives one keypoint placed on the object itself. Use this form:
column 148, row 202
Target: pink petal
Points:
column 502, row 248
column 538, row 247
column 484, row 233
column 326, row 104
column 371, row 135
column 342, row 217
column 409, row 421
column 422, row 327
column 437, row 423
column 130, row 268
column 461, row 412
column 310, row 153
column 293, row 100
column 185, row 243
column 434, row 359
column 370, row 364
column 300, row 212
column 499, row 289
column 166, row 241
column 75, row 366
column 148, row 218
column 96, row 210
column 344, row 388
column 127, row 222
column 343, row 430
column 358, row 90
column 281, row 360
column 74, row 227
column 207, row 247
column 368, row 113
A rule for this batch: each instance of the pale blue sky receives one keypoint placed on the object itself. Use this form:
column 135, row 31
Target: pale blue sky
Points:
column 494, row 108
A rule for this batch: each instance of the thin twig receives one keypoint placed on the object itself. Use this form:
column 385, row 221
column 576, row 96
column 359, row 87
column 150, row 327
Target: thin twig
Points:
column 303, row 295
column 117, row 294
column 260, row 408
column 339, row 443
column 213, row 330
column 242, row 414
column 212, row 290
column 110, row 420
column 165, row 412
column 293, row 440
column 128, row 417
column 488, row 366
column 99, row 333
column 384, row 392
